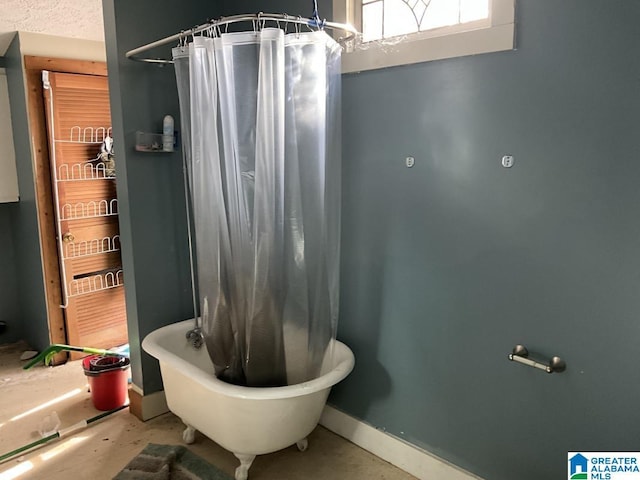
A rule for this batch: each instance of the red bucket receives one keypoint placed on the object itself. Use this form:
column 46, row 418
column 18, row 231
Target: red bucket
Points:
column 108, row 380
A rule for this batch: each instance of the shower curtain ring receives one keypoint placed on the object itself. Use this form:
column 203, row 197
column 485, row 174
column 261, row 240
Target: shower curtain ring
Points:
column 258, row 22
column 286, row 18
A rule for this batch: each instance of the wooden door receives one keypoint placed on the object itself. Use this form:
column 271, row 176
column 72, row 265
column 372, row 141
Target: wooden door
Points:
column 86, row 205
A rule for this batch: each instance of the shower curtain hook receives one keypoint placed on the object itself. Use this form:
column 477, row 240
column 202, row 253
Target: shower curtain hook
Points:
column 205, row 30
column 298, row 26
column 315, row 17
column 259, row 24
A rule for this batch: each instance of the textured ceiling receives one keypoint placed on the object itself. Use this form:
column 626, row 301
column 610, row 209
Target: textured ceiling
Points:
column 64, row 18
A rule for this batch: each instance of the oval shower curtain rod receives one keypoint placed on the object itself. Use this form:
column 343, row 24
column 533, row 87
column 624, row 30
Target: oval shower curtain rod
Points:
column 258, row 18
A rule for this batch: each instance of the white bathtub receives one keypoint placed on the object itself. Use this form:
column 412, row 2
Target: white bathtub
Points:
column 244, row 420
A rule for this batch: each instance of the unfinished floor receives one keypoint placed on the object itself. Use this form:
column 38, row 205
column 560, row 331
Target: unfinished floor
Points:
column 103, row 448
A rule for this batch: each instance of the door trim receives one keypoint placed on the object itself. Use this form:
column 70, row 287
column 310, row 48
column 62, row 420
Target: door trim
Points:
column 33, row 67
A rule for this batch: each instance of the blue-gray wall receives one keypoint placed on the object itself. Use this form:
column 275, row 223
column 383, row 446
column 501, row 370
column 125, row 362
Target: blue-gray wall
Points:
column 150, row 185
column 9, row 304
column 447, row 265
column 27, row 274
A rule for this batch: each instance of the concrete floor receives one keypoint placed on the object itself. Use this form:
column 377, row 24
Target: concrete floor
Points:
column 103, row 448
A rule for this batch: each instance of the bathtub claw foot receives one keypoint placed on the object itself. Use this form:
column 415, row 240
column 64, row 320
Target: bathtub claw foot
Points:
column 242, row 472
column 302, row 444
column 189, row 435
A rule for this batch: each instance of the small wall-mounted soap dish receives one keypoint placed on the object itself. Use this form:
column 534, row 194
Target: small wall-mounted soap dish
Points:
column 154, row 142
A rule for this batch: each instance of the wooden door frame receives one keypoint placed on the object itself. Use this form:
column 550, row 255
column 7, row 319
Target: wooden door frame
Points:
column 33, row 67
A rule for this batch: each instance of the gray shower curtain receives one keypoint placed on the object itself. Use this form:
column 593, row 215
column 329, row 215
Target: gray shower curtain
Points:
column 260, row 116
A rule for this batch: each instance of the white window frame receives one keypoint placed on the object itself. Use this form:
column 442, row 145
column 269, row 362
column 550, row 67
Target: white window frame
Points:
column 495, row 34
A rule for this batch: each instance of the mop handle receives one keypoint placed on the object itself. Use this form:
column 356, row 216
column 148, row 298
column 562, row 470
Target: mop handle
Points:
column 29, row 446
column 83, row 423
column 57, row 347
column 60, row 433
column 72, row 429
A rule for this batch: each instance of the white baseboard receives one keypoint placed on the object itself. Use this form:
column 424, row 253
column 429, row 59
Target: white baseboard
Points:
column 411, row 459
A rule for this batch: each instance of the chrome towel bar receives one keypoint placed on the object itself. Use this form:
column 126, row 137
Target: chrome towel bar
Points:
column 520, row 354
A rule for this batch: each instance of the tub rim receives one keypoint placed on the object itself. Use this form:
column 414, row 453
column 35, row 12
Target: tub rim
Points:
column 151, row 346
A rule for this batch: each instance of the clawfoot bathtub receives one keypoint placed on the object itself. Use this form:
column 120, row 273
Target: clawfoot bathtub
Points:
column 244, row 420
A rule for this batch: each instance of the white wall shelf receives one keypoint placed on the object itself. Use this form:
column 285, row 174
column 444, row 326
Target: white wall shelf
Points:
column 95, row 283
column 89, row 248
column 153, row 142
column 91, row 135
column 93, row 209
column 84, row 171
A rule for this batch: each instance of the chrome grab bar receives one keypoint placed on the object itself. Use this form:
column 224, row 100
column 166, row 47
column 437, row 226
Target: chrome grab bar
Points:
column 520, row 354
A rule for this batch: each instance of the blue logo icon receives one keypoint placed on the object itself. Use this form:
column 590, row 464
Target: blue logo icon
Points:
column 604, row 465
column 578, row 467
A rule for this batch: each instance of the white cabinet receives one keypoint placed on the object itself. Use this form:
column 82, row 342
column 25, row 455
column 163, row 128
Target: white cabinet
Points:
column 8, row 176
